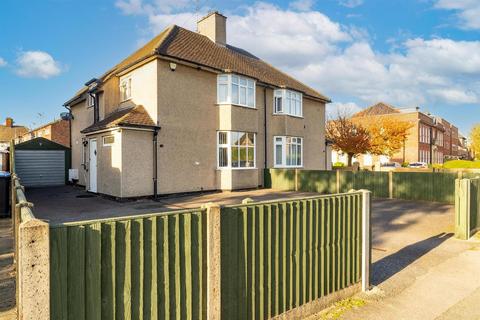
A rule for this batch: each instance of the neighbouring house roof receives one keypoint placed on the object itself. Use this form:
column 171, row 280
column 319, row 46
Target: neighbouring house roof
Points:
column 182, row 44
column 135, row 116
column 9, row 133
column 380, row 108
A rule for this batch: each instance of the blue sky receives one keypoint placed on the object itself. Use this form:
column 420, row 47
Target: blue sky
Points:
column 405, row 52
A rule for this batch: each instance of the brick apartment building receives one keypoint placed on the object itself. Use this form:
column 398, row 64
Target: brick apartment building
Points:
column 57, row 131
column 431, row 139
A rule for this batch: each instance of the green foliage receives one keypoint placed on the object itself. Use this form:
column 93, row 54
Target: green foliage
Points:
column 437, row 166
column 339, row 308
column 339, row 165
column 461, row 164
column 405, row 164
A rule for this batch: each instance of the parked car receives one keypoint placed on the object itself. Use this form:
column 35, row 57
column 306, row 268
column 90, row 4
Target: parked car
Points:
column 418, row 165
column 391, row 165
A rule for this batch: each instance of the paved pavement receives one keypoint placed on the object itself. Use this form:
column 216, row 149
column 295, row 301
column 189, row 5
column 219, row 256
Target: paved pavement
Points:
column 66, row 203
column 420, row 270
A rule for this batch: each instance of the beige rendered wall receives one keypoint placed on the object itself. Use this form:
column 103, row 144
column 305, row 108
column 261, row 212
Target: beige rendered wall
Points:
column 144, row 88
column 109, row 164
column 82, row 118
column 187, row 116
column 311, row 127
column 137, row 160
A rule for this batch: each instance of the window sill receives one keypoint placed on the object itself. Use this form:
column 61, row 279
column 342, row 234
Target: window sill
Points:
column 288, row 115
column 288, row 167
column 235, row 105
column 236, row 169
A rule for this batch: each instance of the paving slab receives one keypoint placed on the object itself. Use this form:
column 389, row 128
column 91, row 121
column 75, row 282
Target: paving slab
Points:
column 420, row 271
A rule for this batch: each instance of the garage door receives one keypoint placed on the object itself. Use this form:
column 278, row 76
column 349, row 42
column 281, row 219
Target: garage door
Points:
column 39, row 168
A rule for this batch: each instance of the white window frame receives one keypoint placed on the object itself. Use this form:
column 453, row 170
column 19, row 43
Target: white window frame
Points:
column 241, row 82
column 286, row 97
column 108, row 144
column 228, row 145
column 125, row 96
column 90, row 100
column 283, row 142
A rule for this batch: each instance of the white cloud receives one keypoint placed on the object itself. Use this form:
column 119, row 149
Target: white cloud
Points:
column 37, row 64
column 350, row 3
column 302, row 5
column 468, row 11
column 2, row 62
column 339, row 61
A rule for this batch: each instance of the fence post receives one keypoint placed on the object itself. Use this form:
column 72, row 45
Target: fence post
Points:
column 296, row 179
column 338, row 180
column 213, row 261
column 33, row 270
column 366, row 239
column 462, row 209
column 390, row 184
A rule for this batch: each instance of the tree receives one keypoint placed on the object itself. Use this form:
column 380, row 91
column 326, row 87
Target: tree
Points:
column 387, row 135
column 475, row 141
column 347, row 136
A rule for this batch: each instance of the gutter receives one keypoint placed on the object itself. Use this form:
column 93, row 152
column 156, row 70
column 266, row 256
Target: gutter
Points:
column 155, row 163
column 265, row 126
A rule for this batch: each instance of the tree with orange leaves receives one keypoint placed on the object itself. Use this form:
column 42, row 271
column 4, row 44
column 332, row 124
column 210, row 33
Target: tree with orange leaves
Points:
column 349, row 137
column 387, row 136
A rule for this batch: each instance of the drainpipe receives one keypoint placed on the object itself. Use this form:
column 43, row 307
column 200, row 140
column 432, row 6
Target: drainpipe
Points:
column 155, row 159
column 265, row 126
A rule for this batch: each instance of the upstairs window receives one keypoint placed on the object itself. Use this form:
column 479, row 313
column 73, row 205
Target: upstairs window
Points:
column 237, row 90
column 90, row 100
column 236, row 149
column 288, row 102
column 125, row 89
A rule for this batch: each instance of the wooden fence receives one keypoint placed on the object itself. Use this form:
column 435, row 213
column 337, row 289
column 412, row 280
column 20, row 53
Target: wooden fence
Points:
column 31, row 253
column 426, row 186
column 142, row 267
column 467, row 208
column 278, row 256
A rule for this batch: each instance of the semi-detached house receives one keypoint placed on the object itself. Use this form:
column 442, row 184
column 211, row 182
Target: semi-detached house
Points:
column 188, row 112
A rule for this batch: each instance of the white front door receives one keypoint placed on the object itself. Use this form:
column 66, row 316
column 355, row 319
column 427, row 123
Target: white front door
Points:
column 93, row 165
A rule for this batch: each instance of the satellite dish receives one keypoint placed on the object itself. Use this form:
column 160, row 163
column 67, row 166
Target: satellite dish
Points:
column 66, row 116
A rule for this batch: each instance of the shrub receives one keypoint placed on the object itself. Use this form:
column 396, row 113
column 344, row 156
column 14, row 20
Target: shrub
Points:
column 339, row 164
column 405, row 164
column 461, row 164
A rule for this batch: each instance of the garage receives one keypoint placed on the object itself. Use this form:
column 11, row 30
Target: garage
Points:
column 41, row 162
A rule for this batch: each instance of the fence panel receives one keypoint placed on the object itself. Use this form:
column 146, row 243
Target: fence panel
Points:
column 279, row 255
column 149, row 267
column 280, row 179
column 324, row 182
column 428, row 186
column 474, row 205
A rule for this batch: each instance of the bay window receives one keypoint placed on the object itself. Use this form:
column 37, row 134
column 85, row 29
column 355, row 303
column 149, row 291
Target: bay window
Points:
column 235, row 149
column 235, row 89
column 288, row 152
column 288, row 102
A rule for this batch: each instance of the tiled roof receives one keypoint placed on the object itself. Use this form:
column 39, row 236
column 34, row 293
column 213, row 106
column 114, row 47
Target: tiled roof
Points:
column 179, row 43
column 9, row 133
column 376, row 110
column 132, row 116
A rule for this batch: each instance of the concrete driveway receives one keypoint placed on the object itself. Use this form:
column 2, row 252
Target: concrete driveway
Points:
column 67, row 203
column 420, row 271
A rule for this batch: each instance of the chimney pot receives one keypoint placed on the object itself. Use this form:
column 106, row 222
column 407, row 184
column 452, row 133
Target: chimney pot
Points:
column 9, row 122
column 214, row 26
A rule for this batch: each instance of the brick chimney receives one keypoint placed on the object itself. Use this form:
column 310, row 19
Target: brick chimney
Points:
column 214, row 26
column 9, row 122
